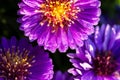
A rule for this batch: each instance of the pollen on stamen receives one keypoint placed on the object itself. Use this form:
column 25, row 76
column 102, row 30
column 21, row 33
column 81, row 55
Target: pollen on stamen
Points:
column 15, row 64
column 58, row 13
column 104, row 65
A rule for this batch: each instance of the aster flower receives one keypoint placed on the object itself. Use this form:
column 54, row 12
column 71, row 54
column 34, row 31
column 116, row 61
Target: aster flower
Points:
column 62, row 76
column 58, row 24
column 99, row 58
column 20, row 61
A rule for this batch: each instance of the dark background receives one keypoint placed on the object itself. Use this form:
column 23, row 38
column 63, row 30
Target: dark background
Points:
column 9, row 26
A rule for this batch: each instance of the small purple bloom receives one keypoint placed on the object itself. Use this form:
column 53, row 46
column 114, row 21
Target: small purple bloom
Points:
column 62, row 76
column 99, row 58
column 20, row 61
column 58, row 24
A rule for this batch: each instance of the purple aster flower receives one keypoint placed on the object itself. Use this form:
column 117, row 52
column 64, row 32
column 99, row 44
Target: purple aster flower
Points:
column 20, row 61
column 58, row 24
column 62, row 76
column 99, row 58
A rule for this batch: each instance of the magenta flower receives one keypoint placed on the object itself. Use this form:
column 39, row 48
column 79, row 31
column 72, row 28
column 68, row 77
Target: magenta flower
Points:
column 58, row 24
column 20, row 61
column 99, row 58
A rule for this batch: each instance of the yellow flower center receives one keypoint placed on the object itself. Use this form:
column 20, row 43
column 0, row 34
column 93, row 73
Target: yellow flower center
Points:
column 58, row 13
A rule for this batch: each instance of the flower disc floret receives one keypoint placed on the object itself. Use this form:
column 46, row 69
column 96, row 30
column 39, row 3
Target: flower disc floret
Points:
column 58, row 13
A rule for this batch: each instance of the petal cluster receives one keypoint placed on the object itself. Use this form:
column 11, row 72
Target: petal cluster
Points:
column 99, row 58
column 43, row 20
column 19, row 60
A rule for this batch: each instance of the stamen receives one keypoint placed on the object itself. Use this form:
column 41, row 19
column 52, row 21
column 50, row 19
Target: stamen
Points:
column 15, row 64
column 104, row 65
column 58, row 13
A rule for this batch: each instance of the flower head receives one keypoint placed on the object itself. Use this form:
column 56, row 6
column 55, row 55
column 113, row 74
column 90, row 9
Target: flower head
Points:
column 58, row 24
column 99, row 58
column 62, row 76
column 20, row 61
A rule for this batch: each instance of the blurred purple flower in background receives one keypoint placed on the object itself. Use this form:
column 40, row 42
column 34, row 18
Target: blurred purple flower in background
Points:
column 62, row 76
column 99, row 58
column 58, row 24
column 20, row 61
